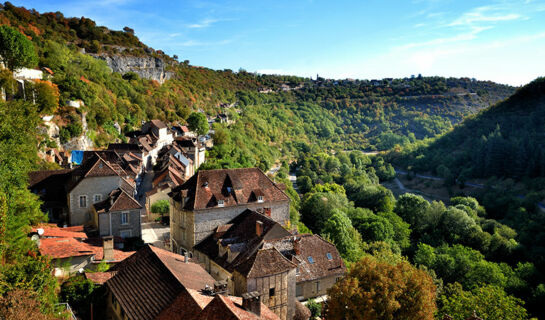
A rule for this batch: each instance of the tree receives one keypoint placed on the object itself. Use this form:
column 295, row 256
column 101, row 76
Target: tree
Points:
column 77, row 291
column 304, row 183
column 161, row 206
column 21, row 305
column 16, row 50
column 488, row 302
column 378, row 290
column 197, row 123
column 315, row 308
column 376, row 198
column 345, row 237
column 318, row 208
column 411, row 208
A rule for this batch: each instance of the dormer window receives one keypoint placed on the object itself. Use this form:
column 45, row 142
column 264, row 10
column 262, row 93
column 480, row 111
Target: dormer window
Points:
column 329, row 256
column 221, row 203
column 229, row 189
column 310, row 260
column 259, row 199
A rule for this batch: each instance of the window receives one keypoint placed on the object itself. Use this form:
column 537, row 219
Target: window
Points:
column 125, row 233
column 124, row 218
column 229, row 189
column 83, row 201
column 317, row 283
column 310, row 260
column 260, row 199
column 271, row 292
column 97, row 198
column 329, row 256
column 220, row 203
column 298, row 290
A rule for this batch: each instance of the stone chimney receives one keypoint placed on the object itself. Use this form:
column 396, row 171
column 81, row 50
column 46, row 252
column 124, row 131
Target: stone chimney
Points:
column 186, row 257
column 108, row 247
column 258, row 228
column 297, row 245
column 251, row 301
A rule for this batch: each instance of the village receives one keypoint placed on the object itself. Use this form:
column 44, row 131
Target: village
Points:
column 223, row 245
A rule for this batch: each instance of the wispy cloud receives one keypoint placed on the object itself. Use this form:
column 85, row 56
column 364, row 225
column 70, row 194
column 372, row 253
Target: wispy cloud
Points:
column 195, row 43
column 485, row 14
column 205, row 23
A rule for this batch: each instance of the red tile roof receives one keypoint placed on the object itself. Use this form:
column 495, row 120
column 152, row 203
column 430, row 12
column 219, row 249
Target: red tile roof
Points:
column 234, row 186
column 118, row 200
column 265, row 262
column 230, row 308
column 152, row 279
column 312, row 246
column 158, row 124
column 60, row 248
column 53, row 231
column 99, row 277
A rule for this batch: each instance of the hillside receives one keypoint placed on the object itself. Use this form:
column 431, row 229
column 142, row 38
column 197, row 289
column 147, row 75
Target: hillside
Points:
column 349, row 114
column 503, row 141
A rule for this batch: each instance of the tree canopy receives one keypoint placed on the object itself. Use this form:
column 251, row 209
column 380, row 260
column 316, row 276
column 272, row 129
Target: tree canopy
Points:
column 16, row 50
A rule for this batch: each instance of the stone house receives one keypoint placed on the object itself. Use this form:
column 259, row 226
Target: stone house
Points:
column 319, row 264
column 151, row 139
column 171, row 286
column 195, row 150
column 234, row 254
column 212, row 198
column 118, row 215
column 91, row 183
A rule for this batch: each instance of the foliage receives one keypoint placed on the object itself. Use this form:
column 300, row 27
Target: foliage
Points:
column 16, row 50
column 76, row 290
column 346, row 238
column 21, row 304
column 315, row 308
column 488, row 302
column 379, row 290
column 161, row 206
column 197, row 123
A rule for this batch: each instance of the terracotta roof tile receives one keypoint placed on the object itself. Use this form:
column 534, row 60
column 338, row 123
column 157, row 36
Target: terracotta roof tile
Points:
column 99, row 277
column 312, row 246
column 265, row 262
column 53, row 231
column 152, row 279
column 234, row 186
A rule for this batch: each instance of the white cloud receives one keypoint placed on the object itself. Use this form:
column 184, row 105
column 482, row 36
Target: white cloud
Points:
column 205, row 23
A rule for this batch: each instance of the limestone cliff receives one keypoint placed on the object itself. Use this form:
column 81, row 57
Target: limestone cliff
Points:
column 146, row 67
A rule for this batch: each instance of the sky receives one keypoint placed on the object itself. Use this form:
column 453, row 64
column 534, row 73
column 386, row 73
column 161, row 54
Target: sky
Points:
column 502, row 41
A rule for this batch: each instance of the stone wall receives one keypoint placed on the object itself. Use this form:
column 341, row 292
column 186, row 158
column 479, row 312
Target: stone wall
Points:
column 309, row 289
column 89, row 187
column 134, row 224
column 283, row 285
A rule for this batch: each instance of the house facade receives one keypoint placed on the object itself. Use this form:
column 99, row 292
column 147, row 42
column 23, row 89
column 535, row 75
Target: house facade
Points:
column 212, row 198
column 118, row 215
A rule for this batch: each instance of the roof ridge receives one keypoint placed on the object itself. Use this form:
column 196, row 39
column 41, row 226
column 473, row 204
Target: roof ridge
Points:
column 130, row 197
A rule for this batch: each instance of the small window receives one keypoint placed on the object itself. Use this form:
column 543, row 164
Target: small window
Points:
column 317, row 286
column 229, row 189
column 310, row 260
column 220, row 203
column 271, row 292
column 124, row 218
column 83, row 201
column 329, row 256
column 125, row 234
column 97, row 198
column 260, row 199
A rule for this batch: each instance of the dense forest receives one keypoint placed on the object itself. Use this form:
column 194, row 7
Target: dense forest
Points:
column 483, row 254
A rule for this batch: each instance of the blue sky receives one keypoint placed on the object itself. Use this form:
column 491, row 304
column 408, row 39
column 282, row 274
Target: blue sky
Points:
column 502, row 41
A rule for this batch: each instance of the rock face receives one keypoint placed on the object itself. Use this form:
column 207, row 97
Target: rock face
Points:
column 146, row 67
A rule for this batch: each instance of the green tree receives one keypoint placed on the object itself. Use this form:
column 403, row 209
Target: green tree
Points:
column 16, row 50
column 197, row 123
column 319, row 207
column 411, row 208
column 488, row 302
column 346, row 238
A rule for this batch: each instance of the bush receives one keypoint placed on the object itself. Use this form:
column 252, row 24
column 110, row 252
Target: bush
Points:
column 315, row 308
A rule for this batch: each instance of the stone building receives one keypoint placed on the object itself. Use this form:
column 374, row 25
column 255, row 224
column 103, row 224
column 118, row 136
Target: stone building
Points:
column 319, row 264
column 234, row 254
column 91, row 183
column 212, row 198
column 118, row 215
column 171, row 286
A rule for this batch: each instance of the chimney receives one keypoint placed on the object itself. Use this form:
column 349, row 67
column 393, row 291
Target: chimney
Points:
column 220, row 287
column 108, row 247
column 258, row 228
column 186, row 259
column 297, row 245
column 251, row 301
